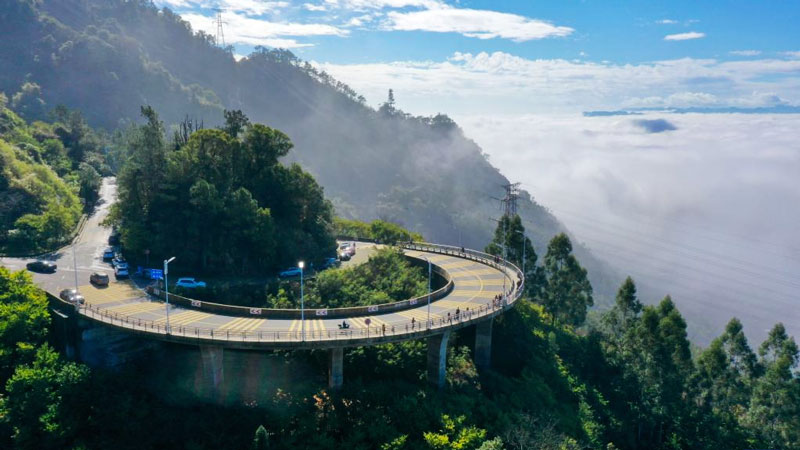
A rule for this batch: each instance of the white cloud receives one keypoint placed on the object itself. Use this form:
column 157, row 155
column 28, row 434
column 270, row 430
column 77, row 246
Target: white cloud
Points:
column 667, row 22
column 246, row 30
column 248, row 7
column 501, row 82
column 251, row 7
column 792, row 54
column 684, row 36
column 361, row 5
column 481, row 24
column 745, row 52
column 313, row 7
column 360, row 20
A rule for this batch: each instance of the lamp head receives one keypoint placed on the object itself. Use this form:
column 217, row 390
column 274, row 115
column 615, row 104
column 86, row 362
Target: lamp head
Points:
column 301, row 264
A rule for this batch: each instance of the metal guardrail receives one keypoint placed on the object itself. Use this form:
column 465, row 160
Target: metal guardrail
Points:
column 325, row 313
column 384, row 332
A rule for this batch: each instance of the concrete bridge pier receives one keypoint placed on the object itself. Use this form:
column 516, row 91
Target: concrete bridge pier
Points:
column 483, row 344
column 213, row 374
column 437, row 359
column 336, row 368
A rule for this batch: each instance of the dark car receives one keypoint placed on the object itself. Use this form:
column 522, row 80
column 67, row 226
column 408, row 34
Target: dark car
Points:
column 99, row 279
column 41, row 266
column 113, row 239
column 67, row 294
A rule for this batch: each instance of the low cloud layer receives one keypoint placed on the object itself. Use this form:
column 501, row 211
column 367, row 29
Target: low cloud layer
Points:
column 707, row 212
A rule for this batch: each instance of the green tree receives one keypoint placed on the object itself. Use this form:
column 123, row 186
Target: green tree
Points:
column 24, row 320
column 46, row 401
column 774, row 411
column 455, row 435
column 90, row 182
column 261, row 439
column 235, row 122
column 568, row 293
column 510, row 234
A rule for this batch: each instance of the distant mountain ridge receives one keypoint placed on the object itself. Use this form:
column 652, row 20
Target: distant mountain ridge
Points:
column 107, row 58
column 777, row 109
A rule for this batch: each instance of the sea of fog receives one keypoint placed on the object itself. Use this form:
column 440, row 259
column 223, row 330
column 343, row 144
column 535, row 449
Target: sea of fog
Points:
column 704, row 207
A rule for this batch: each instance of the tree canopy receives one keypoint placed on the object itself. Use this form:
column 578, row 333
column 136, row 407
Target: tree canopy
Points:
column 220, row 201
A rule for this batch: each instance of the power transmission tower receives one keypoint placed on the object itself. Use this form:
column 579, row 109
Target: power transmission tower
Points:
column 220, row 38
column 510, row 200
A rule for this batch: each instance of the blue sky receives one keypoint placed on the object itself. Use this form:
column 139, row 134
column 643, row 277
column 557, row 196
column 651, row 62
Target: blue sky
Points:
column 616, row 31
column 525, row 56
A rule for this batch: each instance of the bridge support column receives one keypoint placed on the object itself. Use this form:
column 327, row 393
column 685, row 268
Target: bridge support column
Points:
column 336, row 368
column 212, row 366
column 437, row 359
column 483, row 344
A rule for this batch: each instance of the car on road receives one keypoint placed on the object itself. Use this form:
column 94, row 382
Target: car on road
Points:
column 190, row 283
column 72, row 296
column 121, row 272
column 291, row 272
column 108, row 254
column 98, row 279
column 344, row 256
column 113, row 239
column 67, row 294
column 119, row 262
column 41, row 266
column 331, row 262
column 348, row 247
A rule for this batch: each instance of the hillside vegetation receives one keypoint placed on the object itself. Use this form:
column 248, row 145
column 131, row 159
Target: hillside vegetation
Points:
column 49, row 175
column 109, row 57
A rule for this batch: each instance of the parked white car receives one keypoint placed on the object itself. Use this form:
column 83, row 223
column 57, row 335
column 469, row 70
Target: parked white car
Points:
column 190, row 283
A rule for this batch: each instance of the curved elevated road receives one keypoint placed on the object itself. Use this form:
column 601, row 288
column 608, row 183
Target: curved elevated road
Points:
column 478, row 281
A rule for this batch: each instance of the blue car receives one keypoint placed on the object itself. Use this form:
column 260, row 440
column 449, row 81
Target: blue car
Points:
column 288, row 273
column 331, row 262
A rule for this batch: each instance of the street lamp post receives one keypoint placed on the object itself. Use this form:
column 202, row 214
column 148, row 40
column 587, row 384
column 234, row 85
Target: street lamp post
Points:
column 524, row 247
column 301, row 264
column 75, row 268
column 429, row 292
column 166, row 288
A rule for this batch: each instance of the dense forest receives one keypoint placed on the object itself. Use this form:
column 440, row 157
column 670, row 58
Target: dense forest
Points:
column 107, row 58
column 50, row 174
column 219, row 198
column 629, row 382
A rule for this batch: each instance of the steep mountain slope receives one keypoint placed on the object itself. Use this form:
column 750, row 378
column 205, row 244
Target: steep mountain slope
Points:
column 107, row 58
